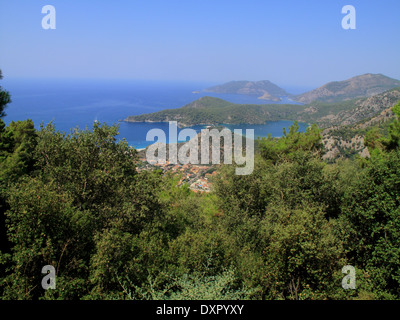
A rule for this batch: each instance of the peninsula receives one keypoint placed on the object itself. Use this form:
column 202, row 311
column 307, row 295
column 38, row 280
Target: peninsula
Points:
column 215, row 111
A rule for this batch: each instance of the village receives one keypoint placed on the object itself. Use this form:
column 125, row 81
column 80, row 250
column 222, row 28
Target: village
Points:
column 198, row 177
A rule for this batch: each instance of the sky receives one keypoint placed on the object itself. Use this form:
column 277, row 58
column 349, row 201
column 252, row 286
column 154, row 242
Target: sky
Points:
column 289, row 42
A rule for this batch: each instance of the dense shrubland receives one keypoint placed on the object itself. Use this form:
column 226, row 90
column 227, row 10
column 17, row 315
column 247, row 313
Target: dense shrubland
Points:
column 77, row 202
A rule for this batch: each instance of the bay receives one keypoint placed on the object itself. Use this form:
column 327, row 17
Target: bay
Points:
column 71, row 103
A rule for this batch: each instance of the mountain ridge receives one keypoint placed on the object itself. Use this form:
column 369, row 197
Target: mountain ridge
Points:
column 361, row 86
column 264, row 89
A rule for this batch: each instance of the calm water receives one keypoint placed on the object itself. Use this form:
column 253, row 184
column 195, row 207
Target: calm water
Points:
column 72, row 103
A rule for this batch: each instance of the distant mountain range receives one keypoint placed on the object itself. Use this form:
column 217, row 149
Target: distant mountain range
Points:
column 336, row 103
column 366, row 85
column 265, row 89
column 361, row 86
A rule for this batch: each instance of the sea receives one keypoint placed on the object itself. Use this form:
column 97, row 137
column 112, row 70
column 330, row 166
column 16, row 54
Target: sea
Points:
column 72, row 103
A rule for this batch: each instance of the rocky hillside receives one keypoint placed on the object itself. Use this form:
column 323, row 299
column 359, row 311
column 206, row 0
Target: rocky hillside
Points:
column 263, row 89
column 348, row 112
column 348, row 140
column 365, row 85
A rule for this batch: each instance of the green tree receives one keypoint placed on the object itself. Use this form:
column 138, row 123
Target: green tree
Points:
column 195, row 286
column 4, row 98
column 393, row 141
column 292, row 144
column 84, row 184
column 17, row 144
column 281, row 218
column 371, row 217
column 302, row 253
column 376, row 142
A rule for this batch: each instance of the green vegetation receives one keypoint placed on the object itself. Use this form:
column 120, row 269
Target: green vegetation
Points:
column 76, row 202
column 4, row 99
column 214, row 111
column 258, row 88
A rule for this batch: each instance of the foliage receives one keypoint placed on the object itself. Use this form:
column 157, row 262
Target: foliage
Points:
column 17, row 143
column 214, row 111
column 292, row 144
column 371, row 212
column 4, row 98
column 76, row 201
column 84, row 183
column 377, row 142
column 301, row 251
column 189, row 287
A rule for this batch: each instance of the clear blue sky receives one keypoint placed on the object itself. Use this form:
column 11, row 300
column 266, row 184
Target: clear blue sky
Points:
column 296, row 42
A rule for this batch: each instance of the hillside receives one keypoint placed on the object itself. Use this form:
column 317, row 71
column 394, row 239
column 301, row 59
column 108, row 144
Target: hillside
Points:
column 348, row 112
column 366, row 85
column 265, row 89
column 346, row 138
column 349, row 140
column 214, row 111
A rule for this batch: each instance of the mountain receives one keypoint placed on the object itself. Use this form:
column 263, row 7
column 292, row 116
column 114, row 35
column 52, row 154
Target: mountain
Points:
column 348, row 112
column 265, row 89
column 214, row 111
column 365, row 85
column 346, row 138
column 349, row 140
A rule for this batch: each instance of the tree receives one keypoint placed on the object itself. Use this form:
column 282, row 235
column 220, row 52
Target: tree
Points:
column 17, row 145
column 4, row 98
column 393, row 141
column 302, row 253
column 291, row 144
column 84, row 187
column 376, row 142
column 371, row 215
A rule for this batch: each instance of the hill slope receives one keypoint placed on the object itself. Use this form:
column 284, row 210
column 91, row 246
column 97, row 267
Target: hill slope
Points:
column 214, row 111
column 361, row 86
column 264, row 89
column 348, row 112
column 346, row 138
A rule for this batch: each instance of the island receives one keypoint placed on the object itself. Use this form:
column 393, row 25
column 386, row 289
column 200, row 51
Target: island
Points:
column 265, row 89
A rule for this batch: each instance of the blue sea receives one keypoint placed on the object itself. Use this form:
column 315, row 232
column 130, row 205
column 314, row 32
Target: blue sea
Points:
column 71, row 103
